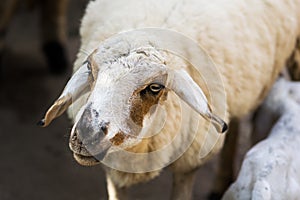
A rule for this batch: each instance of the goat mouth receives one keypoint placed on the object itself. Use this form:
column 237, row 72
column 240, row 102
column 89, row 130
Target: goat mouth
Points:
column 86, row 160
column 88, row 155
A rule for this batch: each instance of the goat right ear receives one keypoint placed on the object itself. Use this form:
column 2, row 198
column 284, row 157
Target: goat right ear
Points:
column 76, row 87
column 184, row 86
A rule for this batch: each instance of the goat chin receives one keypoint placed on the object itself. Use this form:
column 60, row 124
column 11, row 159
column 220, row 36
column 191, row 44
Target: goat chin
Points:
column 86, row 160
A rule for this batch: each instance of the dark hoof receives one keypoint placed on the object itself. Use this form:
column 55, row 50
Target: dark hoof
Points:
column 214, row 196
column 56, row 57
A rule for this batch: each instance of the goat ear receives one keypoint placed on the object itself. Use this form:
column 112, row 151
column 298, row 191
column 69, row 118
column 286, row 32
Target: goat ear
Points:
column 76, row 86
column 185, row 87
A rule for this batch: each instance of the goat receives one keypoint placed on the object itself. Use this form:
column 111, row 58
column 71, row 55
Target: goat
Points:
column 123, row 82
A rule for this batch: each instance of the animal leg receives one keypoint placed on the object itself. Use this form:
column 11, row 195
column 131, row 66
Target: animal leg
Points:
column 114, row 192
column 183, row 185
column 225, row 173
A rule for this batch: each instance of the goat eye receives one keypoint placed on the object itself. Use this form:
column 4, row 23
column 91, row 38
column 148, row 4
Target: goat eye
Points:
column 88, row 64
column 155, row 88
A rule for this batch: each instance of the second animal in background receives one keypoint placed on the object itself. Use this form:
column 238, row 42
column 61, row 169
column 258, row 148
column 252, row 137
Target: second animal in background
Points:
column 53, row 29
column 270, row 169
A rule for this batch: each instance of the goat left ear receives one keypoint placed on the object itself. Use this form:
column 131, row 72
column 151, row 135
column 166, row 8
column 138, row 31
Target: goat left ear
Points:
column 185, row 87
column 77, row 86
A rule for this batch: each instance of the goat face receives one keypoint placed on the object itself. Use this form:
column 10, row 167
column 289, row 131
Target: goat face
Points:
column 122, row 92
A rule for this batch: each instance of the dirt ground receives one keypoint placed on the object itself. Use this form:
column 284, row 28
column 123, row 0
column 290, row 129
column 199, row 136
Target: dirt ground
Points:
column 36, row 163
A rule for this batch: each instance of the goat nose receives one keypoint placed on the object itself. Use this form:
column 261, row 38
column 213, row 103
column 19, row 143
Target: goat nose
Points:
column 87, row 122
column 89, row 133
column 89, row 128
column 91, row 139
column 104, row 127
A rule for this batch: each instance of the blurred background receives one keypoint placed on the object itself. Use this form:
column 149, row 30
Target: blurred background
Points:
column 35, row 162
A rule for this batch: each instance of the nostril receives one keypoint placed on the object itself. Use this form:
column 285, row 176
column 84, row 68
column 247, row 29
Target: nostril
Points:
column 104, row 127
column 74, row 137
column 74, row 140
column 104, row 130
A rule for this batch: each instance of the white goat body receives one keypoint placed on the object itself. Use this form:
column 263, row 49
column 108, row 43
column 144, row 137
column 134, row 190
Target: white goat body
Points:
column 270, row 169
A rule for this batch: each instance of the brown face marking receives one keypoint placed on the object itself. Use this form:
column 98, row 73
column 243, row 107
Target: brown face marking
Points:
column 141, row 102
column 118, row 139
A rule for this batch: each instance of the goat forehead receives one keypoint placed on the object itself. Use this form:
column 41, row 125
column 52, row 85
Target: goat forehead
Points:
column 117, row 84
column 127, row 56
column 129, row 71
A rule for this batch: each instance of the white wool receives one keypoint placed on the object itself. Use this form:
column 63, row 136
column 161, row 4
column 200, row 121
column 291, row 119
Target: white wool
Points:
column 270, row 169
